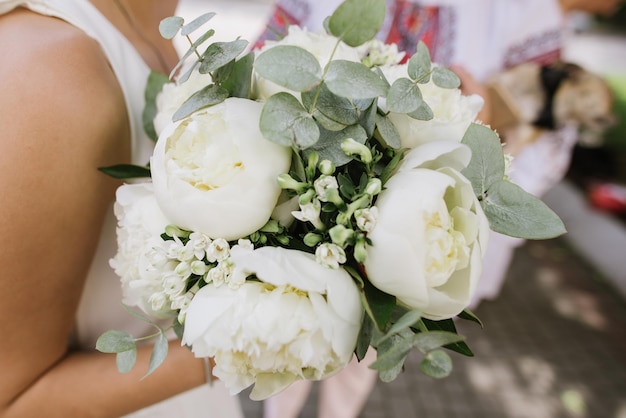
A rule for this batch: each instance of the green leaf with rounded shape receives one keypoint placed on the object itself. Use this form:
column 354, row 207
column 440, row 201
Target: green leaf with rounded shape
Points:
column 357, row 21
column 403, row 323
column 336, row 108
column 326, row 122
column 155, row 83
column 159, row 353
column 289, row 66
column 354, row 80
column 114, row 341
column 392, row 351
column 219, row 54
column 404, row 96
column 126, row 171
column 179, row 329
column 169, row 27
column 430, row 340
column 329, row 145
column 386, row 132
column 419, row 66
column 285, row 122
column 517, row 213
column 239, row 81
column 125, row 361
column 208, row 96
column 196, row 23
column 423, row 112
column 445, row 78
column 487, row 164
column 436, row 364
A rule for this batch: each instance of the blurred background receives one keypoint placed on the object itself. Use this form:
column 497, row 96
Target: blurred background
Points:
column 554, row 341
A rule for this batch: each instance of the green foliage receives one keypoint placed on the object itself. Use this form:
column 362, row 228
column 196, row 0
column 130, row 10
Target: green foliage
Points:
column 357, row 21
column 219, row 54
column 437, row 364
column 289, row 66
column 510, row 210
column 208, row 96
column 155, row 83
column 354, row 80
column 126, row 171
column 285, row 121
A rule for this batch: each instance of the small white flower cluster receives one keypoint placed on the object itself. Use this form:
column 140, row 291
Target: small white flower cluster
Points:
column 377, row 53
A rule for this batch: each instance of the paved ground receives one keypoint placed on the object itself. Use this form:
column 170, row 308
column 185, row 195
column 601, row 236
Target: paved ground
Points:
column 553, row 346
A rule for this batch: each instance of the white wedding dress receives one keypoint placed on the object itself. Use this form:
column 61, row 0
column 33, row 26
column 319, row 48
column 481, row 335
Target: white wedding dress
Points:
column 100, row 308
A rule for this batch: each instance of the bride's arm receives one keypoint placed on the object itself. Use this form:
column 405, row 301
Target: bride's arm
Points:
column 62, row 115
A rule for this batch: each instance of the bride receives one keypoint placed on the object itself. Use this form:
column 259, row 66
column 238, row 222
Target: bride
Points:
column 72, row 84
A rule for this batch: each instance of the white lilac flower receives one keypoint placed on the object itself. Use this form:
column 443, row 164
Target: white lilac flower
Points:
column 200, row 243
column 199, row 268
column 309, row 212
column 323, row 184
column 173, row 285
column 377, row 53
column 158, row 301
column 179, row 251
column 218, row 250
column 330, row 255
column 366, row 218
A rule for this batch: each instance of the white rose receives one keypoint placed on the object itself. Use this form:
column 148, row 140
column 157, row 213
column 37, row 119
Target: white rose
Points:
column 320, row 44
column 299, row 320
column 215, row 173
column 173, row 95
column 431, row 233
column 453, row 112
column 141, row 261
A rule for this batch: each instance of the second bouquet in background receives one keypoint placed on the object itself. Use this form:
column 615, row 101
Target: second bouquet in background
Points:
column 308, row 201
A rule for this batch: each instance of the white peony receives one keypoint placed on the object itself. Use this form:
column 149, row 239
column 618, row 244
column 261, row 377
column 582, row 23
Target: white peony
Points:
column 431, row 233
column 214, row 173
column 453, row 112
column 299, row 320
column 141, row 261
column 173, row 95
column 320, row 44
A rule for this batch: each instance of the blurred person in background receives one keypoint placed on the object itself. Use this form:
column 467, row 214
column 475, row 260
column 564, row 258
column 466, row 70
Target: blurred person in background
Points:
column 72, row 81
column 477, row 39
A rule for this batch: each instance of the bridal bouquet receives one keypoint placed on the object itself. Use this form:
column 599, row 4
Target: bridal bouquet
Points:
column 308, row 201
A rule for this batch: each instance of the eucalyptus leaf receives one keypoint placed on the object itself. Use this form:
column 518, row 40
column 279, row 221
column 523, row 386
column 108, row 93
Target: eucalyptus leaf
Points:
column 329, row 145
column 125, row 361
column 193, row 49
column 169, row 27
column 208, row 96
column 115, row 341
column 126, row 171
column 436, row 364
column 404, row 96
column 155, row 83
column 239, row 81
column 159, row 353
column 387, row 133
column 354, row 80
column 423, row 112
column 219, row 75
column 142, row 316
column 390, row 355
column 196, row 23
column 289, row 66
column 406, row 321
column 487, row 164
column 179, row 329
column 367, row 118
column 445, row 78
column 219, row 54
column 285, row 122
column 357, row 21
column 326, row 122
column 428, row 341
column 419, row 65
column 190, row 70
column 517, row 213
column 336, row 108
